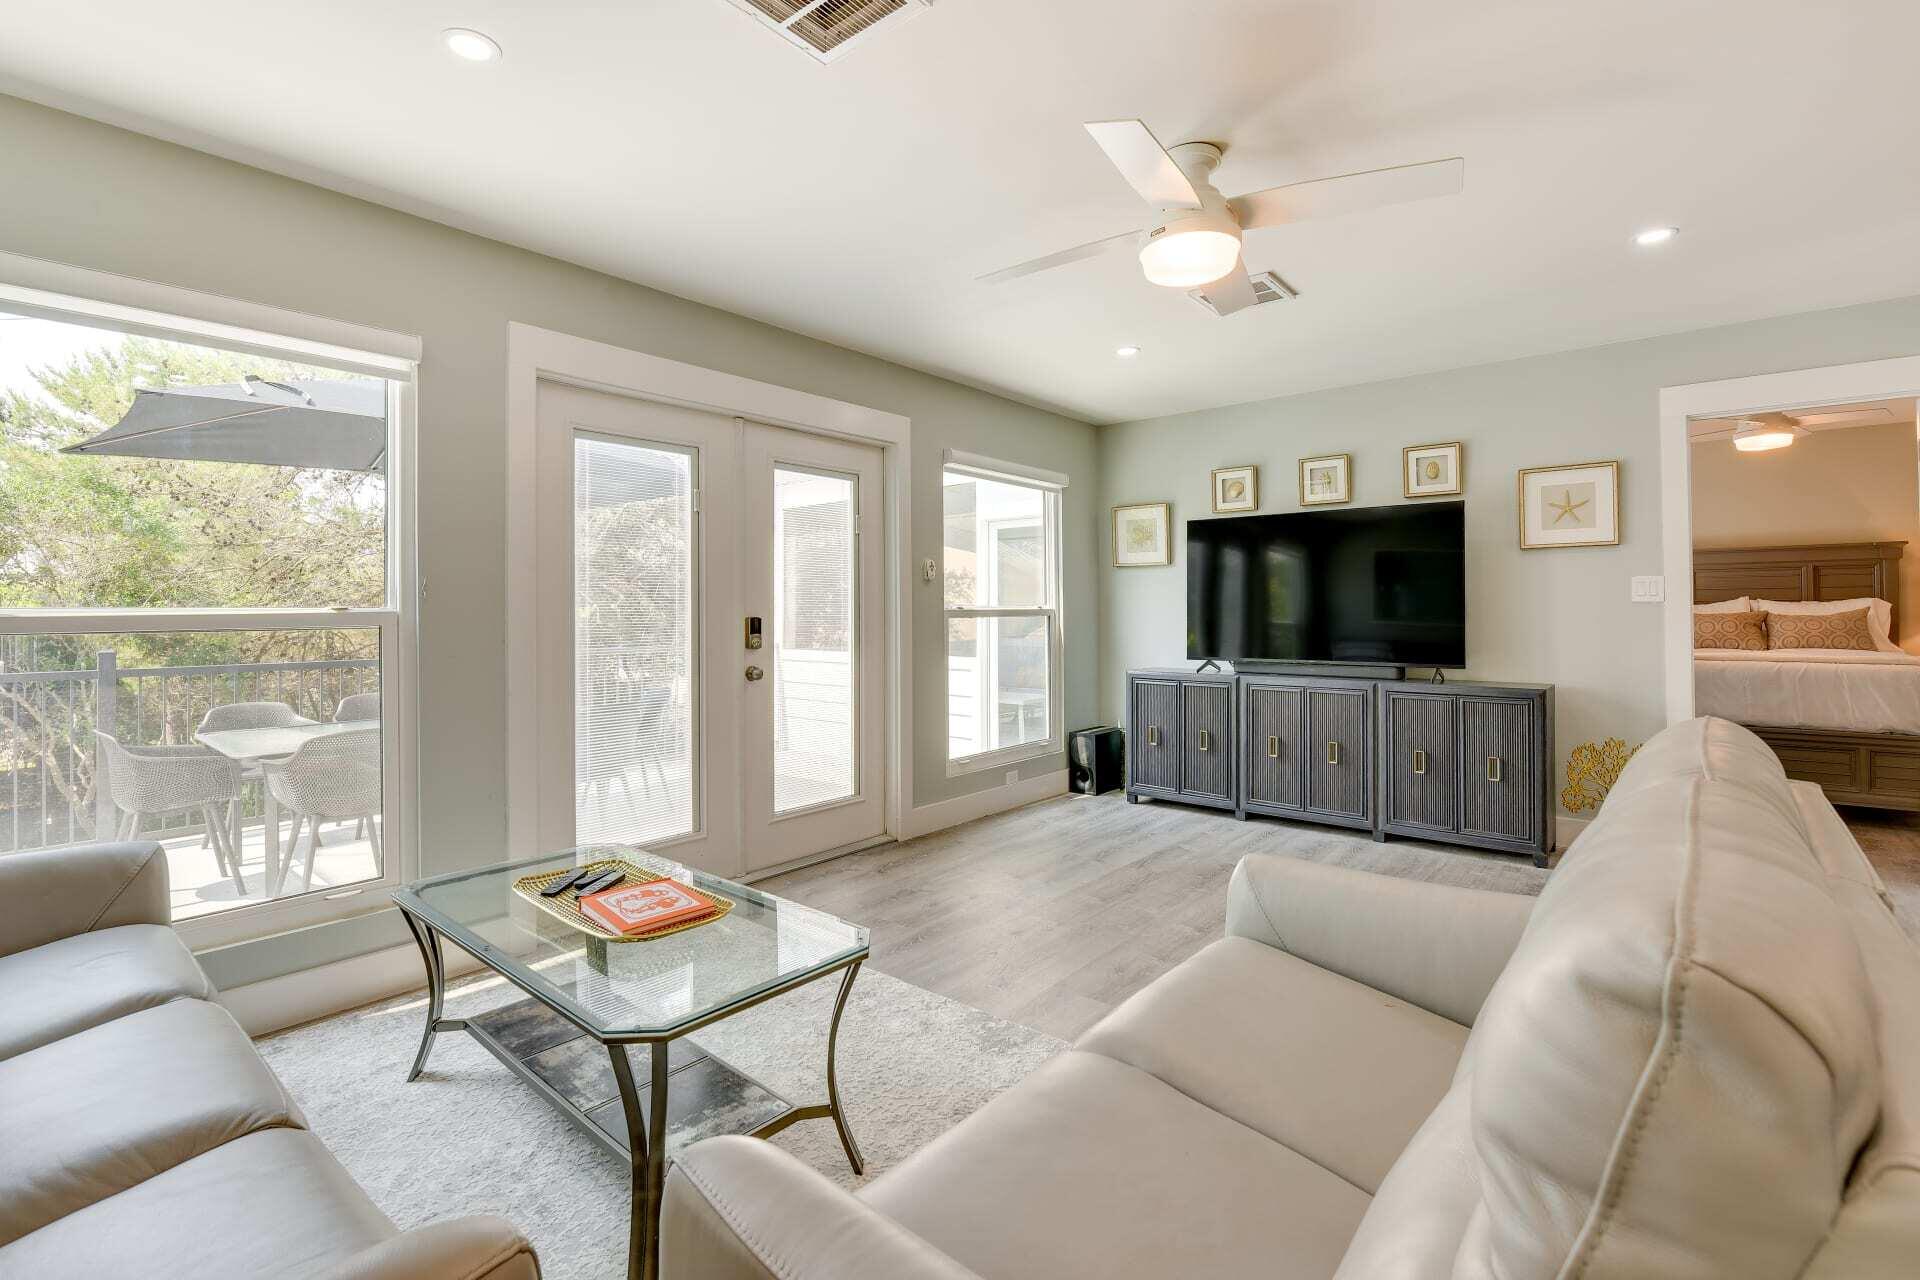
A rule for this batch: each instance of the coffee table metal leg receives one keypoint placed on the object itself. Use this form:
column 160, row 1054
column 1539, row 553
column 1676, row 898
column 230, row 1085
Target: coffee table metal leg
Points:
column 647, row 1156
column 428, row 941
column 833, row 1084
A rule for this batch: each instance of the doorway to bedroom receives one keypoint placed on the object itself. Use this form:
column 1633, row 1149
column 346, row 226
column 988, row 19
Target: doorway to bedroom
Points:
column 1805, row 541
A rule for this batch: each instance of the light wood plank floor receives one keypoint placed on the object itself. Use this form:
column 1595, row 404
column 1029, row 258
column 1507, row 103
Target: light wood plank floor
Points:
column 1053, row 914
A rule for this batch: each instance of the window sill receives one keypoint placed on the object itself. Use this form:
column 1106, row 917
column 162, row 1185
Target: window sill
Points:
column 1005, row 756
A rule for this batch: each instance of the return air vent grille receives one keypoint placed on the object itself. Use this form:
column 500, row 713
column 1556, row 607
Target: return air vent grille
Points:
column 828, row 28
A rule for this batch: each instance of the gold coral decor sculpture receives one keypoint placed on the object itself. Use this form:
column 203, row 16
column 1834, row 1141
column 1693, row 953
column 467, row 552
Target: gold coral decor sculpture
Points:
column 1592, row 770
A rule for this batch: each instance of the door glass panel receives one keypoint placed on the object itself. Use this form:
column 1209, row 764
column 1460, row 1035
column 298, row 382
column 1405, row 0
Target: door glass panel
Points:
column 815, row 752
column 634, row 742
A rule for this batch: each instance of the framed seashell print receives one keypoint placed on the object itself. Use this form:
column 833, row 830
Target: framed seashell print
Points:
column 1429, row 470
column 1236, row 489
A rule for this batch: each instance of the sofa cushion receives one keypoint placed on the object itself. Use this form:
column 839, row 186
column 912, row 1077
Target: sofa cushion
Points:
column 271, row 1203
column 84, row 980
column 1279, row 1045
column 110, row 1107
column 1677, row 1070
column 1091, row 1168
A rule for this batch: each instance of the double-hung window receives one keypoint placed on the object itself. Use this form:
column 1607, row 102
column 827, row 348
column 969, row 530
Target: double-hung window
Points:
column 204, row 617
column 1002, row 588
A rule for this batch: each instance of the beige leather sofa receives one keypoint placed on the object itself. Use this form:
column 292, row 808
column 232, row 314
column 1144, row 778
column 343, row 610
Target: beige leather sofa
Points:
column 141, row 1135
column 1698, row 1055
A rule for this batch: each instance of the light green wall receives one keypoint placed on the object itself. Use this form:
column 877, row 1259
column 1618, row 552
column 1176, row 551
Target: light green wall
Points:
column 1562, row 616
column 99, row 197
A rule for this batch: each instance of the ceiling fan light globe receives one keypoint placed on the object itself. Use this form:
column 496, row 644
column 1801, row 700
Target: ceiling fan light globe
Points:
column 1759, row 437
column 1188, row 259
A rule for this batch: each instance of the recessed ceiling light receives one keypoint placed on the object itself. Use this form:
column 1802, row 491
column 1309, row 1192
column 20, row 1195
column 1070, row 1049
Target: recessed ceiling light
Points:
column 1655, row 235
column 465, row 42
column 1126, row 353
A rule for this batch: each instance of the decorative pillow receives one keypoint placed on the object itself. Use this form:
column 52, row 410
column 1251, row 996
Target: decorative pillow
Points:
column 1817, row 630
column 1739, row 604
column 1730, row 630
column 1879, row 614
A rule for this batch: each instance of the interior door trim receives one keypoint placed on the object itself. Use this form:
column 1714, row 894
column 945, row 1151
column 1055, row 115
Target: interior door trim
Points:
column 536, row 354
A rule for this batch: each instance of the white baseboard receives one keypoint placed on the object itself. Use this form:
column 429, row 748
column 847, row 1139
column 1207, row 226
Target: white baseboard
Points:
column 1566, row 829
column 927, row 818
column 288, row 1001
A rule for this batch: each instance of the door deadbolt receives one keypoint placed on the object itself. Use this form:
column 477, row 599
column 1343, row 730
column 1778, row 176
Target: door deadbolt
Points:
column 755, row 673
column 753, row 639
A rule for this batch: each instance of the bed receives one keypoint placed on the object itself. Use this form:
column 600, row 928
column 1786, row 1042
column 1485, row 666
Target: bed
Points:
column 1847, row 720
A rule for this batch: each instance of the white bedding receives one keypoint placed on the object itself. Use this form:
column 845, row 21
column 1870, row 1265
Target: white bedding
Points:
column 1866, row 691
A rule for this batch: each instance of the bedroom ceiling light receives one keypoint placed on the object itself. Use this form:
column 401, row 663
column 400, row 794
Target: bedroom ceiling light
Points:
column 1758, row 437
column 1655, row 235
column 1126, row 353
column 470, row 45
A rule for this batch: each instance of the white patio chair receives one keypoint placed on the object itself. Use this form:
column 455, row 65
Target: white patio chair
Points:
column 330, row 779
column 248, row 715
column 157, row 781
column 358, row 706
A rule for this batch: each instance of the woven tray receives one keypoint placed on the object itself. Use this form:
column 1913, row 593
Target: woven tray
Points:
column 563, row 909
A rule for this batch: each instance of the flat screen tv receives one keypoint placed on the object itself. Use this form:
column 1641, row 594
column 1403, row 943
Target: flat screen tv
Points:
column 1380, row 585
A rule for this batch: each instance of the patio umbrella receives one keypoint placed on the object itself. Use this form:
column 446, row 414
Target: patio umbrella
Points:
column 339, row 424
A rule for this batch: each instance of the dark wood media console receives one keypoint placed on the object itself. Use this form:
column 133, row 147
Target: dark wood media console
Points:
column 1463, row 762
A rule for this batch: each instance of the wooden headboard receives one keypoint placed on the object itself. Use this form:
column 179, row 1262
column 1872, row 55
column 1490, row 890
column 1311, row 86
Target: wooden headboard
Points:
column 1833, row 571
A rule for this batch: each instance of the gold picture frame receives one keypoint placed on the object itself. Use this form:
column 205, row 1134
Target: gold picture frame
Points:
column 1148, row 538
column 1583, row 498
column 1432, row 470
column 1326, row 480
column 1236, row 489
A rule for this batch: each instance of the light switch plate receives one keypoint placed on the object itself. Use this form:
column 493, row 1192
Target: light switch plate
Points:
column 1649, row 589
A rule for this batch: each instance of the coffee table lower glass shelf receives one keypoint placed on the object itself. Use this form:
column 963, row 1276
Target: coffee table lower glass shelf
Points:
column 601, row 1031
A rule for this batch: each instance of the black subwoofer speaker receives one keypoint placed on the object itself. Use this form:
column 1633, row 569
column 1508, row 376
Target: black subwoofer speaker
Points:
column 1095, row 760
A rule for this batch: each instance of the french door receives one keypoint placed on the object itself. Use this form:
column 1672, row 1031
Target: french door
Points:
column 711, row 635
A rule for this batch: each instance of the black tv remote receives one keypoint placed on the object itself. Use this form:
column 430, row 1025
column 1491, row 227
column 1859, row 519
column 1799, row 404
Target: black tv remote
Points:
column 612, row 877
column 564, row 883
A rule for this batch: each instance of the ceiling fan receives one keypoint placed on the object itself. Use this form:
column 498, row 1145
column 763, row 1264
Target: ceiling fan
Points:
column 1192, row 241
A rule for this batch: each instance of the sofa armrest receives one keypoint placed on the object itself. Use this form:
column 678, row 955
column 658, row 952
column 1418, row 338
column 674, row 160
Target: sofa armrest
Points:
column 1436, row 946
column 49, row 894
column 478, row 1248
column 743, row 1209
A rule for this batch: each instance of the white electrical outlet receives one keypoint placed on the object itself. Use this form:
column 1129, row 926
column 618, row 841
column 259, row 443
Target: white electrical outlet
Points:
column 1648, row 589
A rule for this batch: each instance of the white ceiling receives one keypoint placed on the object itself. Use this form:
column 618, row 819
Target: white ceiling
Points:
column 675, row 143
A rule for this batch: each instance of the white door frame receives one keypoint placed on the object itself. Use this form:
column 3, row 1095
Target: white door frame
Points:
column 535, row 354
column 1736, row 397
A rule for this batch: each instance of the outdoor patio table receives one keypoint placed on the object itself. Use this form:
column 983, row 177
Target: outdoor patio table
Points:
column 266, row 747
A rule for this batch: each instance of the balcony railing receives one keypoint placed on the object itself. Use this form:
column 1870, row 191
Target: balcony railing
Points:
column 49, row 767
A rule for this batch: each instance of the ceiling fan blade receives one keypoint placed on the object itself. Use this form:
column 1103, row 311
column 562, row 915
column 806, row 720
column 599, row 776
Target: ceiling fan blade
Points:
column 1349, row 193
column 1091, row 249
column 1230, row 293
column 1144, row 163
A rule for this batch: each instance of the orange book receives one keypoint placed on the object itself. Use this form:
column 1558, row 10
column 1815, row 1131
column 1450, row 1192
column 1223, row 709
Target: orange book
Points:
column 643, row 906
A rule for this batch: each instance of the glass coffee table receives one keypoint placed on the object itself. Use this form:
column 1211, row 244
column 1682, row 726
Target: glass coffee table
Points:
column 588, row 1000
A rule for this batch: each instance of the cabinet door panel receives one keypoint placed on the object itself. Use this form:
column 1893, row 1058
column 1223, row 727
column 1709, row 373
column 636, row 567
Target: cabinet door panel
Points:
column 1274, row 745
column 1206, row 747
column 1497, row 768
column 1422, row 773
column 1337, row 752
column 1154, row 744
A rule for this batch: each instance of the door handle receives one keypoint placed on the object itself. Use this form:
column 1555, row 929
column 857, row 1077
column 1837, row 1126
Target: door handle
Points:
column 1153, row 735
column 1203, row 740
column 754, row 673
column 1333, row 753
column 1493, row 768
column 1419, row 761
column 1273, row 747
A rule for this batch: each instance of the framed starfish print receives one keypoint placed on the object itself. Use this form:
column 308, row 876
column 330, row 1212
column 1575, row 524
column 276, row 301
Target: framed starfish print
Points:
column 1572, row 506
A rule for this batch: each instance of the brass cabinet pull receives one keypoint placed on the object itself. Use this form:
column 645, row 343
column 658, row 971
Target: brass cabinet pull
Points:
column 1493, row 768
column 1273, row 747
column 1333, row 753
column 1419, row 761
column 1153, row 735
column 1203, row 740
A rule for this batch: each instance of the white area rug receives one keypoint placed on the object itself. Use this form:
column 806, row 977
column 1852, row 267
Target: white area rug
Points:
column 469, row 1137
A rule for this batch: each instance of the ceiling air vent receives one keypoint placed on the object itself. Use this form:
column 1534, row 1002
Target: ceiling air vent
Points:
column 828, row 28
column 1267, row 287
